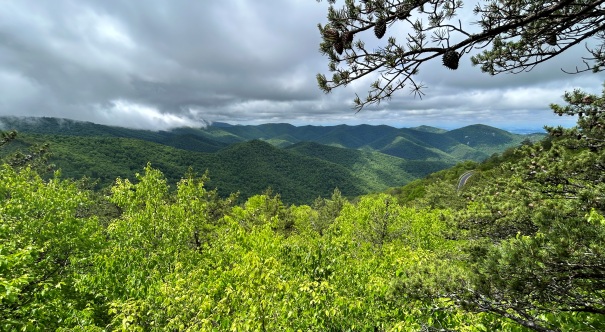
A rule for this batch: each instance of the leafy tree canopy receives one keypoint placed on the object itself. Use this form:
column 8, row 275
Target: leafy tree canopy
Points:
column 508, row 36
column 536, row 228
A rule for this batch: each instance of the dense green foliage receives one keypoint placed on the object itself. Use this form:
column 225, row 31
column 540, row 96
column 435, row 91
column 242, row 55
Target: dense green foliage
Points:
column 519, row 246
column 44, row 247
column 535, row 218
column 249, row 168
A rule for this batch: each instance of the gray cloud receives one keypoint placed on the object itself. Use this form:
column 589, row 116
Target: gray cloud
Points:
column 159, row 64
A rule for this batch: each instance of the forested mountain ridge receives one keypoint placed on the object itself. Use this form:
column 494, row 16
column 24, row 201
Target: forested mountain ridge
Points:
column 298, row 174
column 300, row 164
column 475, row 142
column 65, row 127
column 366, row 161
column 519, row 247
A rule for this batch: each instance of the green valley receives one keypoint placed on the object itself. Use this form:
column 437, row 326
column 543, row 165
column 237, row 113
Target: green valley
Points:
column 519, row 247
column 216, row 189
column 299, row 163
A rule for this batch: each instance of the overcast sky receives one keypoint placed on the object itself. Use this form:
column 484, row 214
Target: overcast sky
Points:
column 159, row 64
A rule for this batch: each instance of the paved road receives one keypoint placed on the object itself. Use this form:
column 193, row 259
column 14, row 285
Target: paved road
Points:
column 463, row 178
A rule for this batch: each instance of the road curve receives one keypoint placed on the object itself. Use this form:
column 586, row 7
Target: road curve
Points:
column 463, row 178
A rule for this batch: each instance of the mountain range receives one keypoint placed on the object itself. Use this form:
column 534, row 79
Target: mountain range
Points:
column 300, row 163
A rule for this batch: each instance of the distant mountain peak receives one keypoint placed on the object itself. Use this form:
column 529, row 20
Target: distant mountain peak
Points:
column 418, row 143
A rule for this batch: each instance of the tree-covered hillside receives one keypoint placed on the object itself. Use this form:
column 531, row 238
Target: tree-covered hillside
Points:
column 53, row 126
column 372, row 168
column 475, row 142
column 248, row 168
column 520, row 246
column 302, row 163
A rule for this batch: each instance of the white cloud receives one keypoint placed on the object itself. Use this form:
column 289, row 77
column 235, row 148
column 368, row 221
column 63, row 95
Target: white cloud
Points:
column 173, row 63
column 131, row 115
column 22, row 89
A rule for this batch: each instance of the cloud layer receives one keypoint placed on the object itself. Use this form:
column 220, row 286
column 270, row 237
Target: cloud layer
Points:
column 162, row 64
